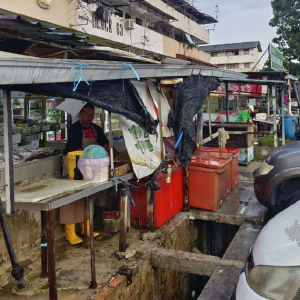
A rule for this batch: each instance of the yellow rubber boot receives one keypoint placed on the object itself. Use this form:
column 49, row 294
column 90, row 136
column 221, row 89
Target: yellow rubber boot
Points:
column 71, row 236
column 88, row 229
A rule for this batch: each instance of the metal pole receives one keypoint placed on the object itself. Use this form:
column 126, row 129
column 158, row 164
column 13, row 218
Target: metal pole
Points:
column 282, row 117
column 93, row 284
column 274, row 117
column 123, row 220
column 290, row 97
column 43, row 244
column 8, row 154
column 51, row 256
column 160, row 129
column 201, row 123
column 209, row 114
column 227, row 102
column 17, row 271
column 111, row 147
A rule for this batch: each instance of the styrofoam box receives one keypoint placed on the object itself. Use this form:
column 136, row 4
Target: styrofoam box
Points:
column 261, row 116
column 16, row 138
column 36, row 129
column 26, row 130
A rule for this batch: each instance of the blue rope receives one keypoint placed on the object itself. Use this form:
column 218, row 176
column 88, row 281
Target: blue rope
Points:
column 130, row 66
column 179, row 139
column 78, row 76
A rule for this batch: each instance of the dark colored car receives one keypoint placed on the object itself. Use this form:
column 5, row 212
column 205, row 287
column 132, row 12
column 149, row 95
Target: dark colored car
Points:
column 277, row 181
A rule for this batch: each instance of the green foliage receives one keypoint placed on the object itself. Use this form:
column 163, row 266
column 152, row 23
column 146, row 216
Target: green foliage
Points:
column 286, row 18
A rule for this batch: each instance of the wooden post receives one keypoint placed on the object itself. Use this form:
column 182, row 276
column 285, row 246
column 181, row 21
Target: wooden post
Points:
column 123, row 220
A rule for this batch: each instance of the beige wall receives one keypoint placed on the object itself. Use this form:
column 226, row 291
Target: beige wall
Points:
column 61, row 13
column 172, row 47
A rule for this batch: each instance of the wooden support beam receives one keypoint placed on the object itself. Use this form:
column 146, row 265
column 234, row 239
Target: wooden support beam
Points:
column 186, row 262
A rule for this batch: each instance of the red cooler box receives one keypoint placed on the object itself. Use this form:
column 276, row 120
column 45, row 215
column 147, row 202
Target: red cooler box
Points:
column 234, row 165
column 208, row 182
column 168, row 201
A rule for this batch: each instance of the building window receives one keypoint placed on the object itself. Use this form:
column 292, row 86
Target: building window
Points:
column 246, row 51
column 232, row 66
column 212, row 54
column 232, row 53
column 139, row 21
column 246, row 65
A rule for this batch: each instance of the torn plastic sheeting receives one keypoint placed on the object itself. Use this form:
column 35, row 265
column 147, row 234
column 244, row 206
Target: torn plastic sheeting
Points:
column 115, row 96
column 188, row 101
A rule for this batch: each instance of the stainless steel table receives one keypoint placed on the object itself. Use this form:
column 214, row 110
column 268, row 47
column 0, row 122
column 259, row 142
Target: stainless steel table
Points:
column 47, row 207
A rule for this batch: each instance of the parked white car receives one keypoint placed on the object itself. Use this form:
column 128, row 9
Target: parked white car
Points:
column 273, row 267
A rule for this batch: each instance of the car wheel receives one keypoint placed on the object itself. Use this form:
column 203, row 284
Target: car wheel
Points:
column 286, row 189
column 293, row 198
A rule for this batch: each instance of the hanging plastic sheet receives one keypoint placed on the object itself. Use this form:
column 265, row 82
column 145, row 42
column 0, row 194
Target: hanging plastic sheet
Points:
column 115, row 96
column 144, row 149
column 188, row 101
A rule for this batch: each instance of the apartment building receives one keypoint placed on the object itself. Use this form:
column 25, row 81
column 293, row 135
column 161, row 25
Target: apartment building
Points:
column 239, row 57
column 151, row 29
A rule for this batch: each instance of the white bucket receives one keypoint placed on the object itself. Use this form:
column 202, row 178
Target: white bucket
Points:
column 101, row 176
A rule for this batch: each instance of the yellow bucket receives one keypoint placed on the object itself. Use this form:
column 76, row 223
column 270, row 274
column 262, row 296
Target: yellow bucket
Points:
column 72, row 162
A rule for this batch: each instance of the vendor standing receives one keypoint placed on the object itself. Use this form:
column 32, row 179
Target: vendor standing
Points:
column 81, row 134
column 245, row 117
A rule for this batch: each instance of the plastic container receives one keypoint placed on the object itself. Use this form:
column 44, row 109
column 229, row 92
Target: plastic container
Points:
column 167, row 202
column 72, row 162
column 101, row 176
column 290, row 125
column 208, row 182
column 234, row 164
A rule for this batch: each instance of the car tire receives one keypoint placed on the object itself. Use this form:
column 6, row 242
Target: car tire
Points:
column 287, row 189
column 292, row 199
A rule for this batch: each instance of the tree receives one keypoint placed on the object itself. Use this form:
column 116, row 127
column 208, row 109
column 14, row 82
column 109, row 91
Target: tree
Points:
column 287, row 19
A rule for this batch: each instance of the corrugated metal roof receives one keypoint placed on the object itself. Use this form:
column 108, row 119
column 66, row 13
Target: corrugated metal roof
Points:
column 230, row 47
column 192, row 12
column 36, row 70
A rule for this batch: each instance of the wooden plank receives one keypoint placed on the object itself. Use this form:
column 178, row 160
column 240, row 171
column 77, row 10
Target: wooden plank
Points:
column 240, row 245
column 221, row 284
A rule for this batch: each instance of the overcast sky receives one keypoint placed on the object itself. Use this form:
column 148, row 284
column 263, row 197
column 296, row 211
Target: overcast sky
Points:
column 240, row 21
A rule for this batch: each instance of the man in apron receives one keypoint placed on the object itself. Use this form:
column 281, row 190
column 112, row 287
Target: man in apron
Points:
column 81, row 134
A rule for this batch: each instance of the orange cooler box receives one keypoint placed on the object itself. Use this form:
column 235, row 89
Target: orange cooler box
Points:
column 168, row 201
column 234, row 165
column 209, row 179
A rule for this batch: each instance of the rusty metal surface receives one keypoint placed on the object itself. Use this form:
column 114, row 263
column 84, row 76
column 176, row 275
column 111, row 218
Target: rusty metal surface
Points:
column 51, row 256
column 44, row 268
column 93, row 284
column 123, row 221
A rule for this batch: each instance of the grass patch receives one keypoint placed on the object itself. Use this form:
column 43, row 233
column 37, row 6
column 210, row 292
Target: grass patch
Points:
column 268, row 140
column 258, row 158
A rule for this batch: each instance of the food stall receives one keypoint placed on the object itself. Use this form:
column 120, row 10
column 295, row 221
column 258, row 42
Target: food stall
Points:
column 58, row 72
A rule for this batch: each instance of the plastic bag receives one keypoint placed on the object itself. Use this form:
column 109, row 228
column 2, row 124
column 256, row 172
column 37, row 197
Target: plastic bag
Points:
column 91, row 167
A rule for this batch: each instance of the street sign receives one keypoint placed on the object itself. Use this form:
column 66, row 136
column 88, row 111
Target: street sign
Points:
column 276, row 58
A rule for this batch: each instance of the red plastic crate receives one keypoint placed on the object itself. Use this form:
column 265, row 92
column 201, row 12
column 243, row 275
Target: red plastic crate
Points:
column 234, row 165
column 209, row 179
column 168, row 201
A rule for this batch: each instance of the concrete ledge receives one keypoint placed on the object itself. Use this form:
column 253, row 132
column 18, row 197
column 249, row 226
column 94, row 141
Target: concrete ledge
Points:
column 186, row 262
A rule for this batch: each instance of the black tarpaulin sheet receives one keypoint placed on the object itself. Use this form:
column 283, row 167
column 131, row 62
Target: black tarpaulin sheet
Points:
column 118, row 97
column 189, row 99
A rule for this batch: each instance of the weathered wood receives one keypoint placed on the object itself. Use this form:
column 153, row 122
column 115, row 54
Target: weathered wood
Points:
column 150, row 210
column 221, row 284
column 186, row 262
column 240, row 245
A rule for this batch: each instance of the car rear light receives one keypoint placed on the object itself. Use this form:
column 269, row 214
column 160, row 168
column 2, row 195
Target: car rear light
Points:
column 250, row 262
column 279, row 283
column 265, row 168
